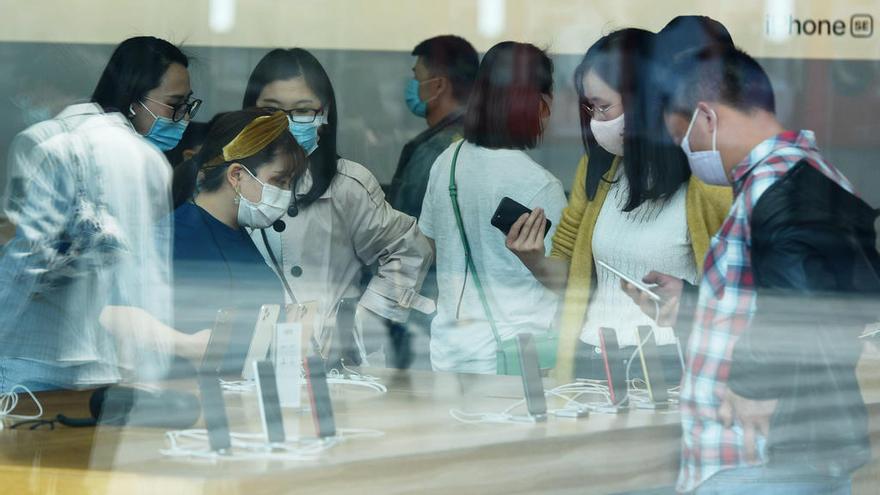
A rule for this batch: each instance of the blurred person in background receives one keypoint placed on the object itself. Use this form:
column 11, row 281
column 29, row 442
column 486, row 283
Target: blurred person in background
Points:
column 443, row 76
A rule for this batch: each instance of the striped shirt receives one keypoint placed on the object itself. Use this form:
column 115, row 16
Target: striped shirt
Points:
column 726, row 305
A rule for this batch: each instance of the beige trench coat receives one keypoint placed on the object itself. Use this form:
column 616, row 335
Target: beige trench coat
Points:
column 323, row 249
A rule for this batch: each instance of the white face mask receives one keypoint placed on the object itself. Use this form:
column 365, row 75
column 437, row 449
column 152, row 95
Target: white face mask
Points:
column 273, row 203
column 609, row 134
column 706, row 165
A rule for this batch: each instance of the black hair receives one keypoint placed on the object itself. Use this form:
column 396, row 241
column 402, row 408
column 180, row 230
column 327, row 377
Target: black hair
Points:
column 136, row 67
column 451, row 57
column 655, row 168
column 729, row 76
column 691, row 32
column 504, row 110
column 685, row 36
column 224, row 129
column 280, row 65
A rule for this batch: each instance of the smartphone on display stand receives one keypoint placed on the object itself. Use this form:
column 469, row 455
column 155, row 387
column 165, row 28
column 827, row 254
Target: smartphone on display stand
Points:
column 261, row 341
column 214, row 411
column 270, row 407
column 218, row 343
column 652, row 368
column 615, row 366
column 319, row 397
column 533, row 384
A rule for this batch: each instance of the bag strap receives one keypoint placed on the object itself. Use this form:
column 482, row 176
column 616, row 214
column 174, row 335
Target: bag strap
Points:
column 453, row 194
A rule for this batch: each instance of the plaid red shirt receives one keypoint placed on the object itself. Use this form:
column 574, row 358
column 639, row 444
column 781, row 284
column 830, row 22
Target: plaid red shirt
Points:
column 726, row 305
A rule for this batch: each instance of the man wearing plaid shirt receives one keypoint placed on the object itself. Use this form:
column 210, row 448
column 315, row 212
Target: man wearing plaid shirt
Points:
column 769, row 401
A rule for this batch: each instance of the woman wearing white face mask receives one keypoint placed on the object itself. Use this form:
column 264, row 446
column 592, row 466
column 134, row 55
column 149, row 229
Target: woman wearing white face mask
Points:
column 634, row 205
column 242, row 175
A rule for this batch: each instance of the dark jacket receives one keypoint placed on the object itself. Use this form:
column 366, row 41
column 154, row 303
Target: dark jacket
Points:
column 817, row 273
column 416, row 159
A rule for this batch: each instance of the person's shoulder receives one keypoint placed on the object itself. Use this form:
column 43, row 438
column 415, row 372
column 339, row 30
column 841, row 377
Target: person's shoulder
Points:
column 354, row 180
column 538, row 174
column 185, row 217
column 351, row 172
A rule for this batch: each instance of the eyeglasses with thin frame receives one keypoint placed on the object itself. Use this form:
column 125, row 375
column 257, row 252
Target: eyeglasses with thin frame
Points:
column 299, row 115
column 599, row 112
column 181, row 110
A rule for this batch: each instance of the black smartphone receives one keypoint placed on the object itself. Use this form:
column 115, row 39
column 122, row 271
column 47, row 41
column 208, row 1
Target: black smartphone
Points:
column 615, row 366
column 270, row 406
column 508, row 212
column 319, row 397
column 652, row 367
column 214, row 411
column 533, row 385
column 218, row 343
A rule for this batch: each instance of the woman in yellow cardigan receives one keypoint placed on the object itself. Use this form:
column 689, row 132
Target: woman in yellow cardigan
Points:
column 633, row 213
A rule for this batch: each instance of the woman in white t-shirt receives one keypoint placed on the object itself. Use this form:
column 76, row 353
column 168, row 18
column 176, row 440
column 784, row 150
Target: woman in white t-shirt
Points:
column 507, row 114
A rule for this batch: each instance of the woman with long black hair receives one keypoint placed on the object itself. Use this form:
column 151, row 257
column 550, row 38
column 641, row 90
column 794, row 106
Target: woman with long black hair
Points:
column 634, row 205
column 338, row 221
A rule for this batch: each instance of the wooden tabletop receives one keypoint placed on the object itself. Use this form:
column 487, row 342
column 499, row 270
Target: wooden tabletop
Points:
column 423, row 449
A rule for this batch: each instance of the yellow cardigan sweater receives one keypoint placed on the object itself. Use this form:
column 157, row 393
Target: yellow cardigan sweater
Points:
column 707, row 206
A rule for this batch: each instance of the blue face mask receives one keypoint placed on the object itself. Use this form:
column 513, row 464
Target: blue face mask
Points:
column 306, row 134
column 418, row 107
column 165, row 133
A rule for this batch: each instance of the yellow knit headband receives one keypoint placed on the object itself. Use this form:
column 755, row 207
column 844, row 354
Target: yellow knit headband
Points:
column 252, row 139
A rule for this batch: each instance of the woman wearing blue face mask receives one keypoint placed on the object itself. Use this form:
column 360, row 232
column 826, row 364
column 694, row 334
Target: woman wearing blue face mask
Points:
column 338, row 222
column 88, row 297
column 148, row 81
column 240, row 182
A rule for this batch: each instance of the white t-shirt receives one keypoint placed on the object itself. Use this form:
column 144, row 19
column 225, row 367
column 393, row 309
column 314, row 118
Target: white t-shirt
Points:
column 461, row 338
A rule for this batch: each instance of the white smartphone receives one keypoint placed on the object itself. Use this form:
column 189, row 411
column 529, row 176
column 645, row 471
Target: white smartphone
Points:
column 639, row 285
column 262, row 339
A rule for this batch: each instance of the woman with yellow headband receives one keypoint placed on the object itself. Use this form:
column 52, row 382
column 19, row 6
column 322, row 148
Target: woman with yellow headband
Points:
column 240, row 180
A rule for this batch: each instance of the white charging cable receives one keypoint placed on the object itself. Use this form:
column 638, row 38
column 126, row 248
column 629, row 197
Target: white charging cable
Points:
column 238, row 386
column 9, row 402
column 354, row 378
column 569, row 392
column 503, row 417
column 193, row 444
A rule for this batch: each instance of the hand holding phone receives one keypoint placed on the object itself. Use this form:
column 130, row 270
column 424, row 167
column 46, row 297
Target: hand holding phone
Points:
column 668, row 288
column 508, row 212
column 640, row 286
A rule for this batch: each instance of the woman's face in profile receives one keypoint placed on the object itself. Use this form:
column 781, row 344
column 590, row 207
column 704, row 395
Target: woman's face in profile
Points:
column 605, row 103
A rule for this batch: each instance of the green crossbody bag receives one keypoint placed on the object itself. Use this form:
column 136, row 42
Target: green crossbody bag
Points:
column 506, row 354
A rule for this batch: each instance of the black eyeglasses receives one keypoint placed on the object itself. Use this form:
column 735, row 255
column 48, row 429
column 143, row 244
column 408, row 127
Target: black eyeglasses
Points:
column 180, row 110
column 299, row 115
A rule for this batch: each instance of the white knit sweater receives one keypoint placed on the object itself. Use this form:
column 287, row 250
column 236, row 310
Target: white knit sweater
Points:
column 654, row 236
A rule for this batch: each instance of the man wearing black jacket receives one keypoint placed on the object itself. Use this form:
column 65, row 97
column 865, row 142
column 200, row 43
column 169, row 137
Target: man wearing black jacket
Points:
column 769, row 401
column 443, row 74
